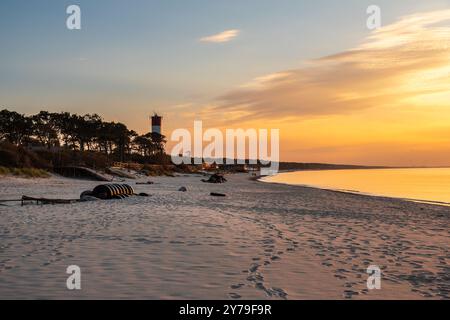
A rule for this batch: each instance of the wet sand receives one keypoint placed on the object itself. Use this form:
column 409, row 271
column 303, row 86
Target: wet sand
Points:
column 263, row 241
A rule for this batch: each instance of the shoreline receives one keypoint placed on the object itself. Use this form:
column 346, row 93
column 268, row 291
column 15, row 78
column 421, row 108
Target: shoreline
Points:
column 262, row 241
column 356, row 192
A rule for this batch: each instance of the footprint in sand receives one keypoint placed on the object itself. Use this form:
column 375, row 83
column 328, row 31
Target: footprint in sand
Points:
column 348, row 294
column 254, row 267
column 275, row 258
column 233, row 295
column 279, row 292
column 237, row 286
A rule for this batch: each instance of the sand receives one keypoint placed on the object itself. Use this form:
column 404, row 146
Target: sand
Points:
column 263, row 241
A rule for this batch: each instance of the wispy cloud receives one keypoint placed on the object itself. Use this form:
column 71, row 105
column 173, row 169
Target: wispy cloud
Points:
column 403, row 64
column 385, row 101
column 224, row 36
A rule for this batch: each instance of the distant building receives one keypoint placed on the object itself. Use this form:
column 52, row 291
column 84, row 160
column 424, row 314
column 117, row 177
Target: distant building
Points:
column 156, row 124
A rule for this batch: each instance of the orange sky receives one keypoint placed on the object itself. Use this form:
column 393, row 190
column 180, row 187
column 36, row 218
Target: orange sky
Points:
column 382, row 98
column 384, row 102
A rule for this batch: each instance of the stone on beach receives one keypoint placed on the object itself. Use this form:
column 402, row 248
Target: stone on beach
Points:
column 215, row 178
column 87, row 198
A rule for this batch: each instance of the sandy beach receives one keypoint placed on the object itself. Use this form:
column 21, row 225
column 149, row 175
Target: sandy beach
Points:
column 262, row 241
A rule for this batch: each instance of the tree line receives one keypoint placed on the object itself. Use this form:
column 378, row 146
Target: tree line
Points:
column 78, row 133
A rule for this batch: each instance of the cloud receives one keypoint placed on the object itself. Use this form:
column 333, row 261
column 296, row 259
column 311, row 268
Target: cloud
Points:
column 224, row 36
column 403, row 64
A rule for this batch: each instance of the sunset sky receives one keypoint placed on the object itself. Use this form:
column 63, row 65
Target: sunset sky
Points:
column 338, row 92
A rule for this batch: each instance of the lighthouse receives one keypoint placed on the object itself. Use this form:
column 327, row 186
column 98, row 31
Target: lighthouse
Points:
column 156, row 123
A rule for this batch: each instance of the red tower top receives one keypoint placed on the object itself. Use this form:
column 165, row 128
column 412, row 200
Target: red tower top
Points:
column 156, row 120
column 156, row 123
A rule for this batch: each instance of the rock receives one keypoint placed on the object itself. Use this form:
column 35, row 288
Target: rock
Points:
column 182, row 189
column 215, row 178
column 88, row 198
column 86, row 193
column 214, row 194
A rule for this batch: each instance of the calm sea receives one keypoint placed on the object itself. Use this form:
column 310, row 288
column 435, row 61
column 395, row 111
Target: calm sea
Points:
column 429, row 185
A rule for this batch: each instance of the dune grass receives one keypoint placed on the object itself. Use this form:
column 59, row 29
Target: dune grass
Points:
column 24, row 172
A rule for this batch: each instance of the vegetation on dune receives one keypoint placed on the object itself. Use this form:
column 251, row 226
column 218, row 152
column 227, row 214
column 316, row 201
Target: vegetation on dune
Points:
column 24, row 172
column 157, row 170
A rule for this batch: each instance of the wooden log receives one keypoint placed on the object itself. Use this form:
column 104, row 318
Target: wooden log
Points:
column 49, row 201
column 214, row 194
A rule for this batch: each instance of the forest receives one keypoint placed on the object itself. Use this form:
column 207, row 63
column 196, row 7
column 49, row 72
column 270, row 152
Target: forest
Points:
column 47, row 139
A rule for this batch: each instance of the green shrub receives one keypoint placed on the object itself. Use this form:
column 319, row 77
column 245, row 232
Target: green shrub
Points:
column 4, row 171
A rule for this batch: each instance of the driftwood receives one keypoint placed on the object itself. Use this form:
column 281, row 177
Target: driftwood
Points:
column 214, row 194
column 48, row 201
column 101, row 192
column 10, row 200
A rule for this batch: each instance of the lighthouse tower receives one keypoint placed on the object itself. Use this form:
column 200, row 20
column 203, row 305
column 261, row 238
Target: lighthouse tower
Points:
column 156, row 123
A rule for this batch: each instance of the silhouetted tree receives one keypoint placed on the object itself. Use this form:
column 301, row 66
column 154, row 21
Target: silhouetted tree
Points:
column 150, row 144
column 79, row 133
column 44, row 129
column 14, row 127
column 158, row 141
